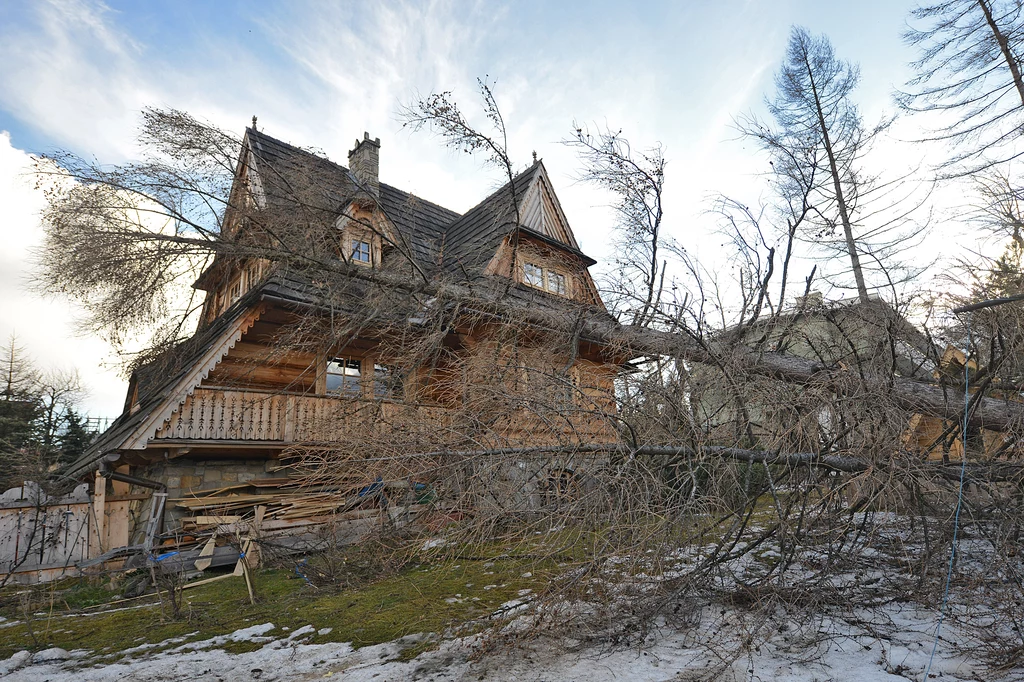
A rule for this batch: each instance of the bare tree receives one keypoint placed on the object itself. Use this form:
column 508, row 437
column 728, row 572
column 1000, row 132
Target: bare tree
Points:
column 969, row 77
column 636, row 178
column 738, row 467
column 59, row 393
column 818, row 140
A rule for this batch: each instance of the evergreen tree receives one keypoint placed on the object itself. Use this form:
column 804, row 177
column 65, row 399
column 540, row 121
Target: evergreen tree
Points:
column 1006, row 277
column 19, row 401
column 75, row 438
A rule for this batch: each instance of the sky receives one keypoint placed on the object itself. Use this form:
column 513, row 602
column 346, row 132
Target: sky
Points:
column 76, row 73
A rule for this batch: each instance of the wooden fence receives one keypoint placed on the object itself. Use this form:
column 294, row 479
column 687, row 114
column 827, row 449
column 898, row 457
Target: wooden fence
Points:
column 42, row 538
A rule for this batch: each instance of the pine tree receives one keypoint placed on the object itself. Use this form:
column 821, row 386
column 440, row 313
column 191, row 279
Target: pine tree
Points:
column 75, row 438
column 19, row 403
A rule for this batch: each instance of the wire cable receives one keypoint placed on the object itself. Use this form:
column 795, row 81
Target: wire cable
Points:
column 959, row 502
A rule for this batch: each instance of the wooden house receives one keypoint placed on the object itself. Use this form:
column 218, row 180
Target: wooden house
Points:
column 858, row 336
column 416, row 329
column 940, row 439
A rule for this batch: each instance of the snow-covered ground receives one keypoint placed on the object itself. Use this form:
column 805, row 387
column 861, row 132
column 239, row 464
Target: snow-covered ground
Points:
column 827, row 649
column 823, row 620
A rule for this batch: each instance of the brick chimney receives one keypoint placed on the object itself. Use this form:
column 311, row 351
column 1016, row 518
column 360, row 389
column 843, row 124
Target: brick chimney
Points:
column 364, row 162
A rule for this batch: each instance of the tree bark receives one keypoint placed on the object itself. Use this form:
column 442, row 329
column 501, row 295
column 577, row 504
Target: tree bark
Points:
column 632, row 341
column 981, row 471
column 1004, row 48
column 913, row 395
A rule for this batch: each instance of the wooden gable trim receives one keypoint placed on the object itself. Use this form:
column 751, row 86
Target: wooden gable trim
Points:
column 176, row 398
column 253, row 174
column 540, row 210
column 246, row 172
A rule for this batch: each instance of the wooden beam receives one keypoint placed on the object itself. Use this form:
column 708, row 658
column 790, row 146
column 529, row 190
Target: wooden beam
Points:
column 99, row 514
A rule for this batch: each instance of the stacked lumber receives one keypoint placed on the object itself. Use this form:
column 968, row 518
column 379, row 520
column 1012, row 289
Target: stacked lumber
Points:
column 282, row 499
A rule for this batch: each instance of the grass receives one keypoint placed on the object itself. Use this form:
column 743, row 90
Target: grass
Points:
column 441, row 592
column 421, row 598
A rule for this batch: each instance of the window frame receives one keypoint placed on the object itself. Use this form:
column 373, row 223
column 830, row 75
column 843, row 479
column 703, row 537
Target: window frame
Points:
column 533, row 275
column 552, row 280
column 387, row 382
column 357, row 242
column 350, row 384
column 561, row 278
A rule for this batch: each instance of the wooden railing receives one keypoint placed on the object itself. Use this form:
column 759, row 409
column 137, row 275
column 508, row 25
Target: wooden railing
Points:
column 230, row 415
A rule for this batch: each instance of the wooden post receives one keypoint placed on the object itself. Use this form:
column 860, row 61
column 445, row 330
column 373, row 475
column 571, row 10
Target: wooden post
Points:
column 99, row 514
column 255, row 551
column 289, row 419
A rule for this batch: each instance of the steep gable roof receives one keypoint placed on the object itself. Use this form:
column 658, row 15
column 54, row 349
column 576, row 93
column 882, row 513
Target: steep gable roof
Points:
column 285, row 170
column 431, row 234
column 472, row 240
column 541, row 211
column 167, row 380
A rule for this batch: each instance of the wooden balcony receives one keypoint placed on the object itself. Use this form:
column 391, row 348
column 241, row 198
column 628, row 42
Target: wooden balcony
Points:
column 213, row 414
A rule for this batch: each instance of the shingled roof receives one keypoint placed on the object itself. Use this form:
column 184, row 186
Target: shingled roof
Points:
column 473, row 238
column 157, row 381
column 461, row 245
column 284, row 168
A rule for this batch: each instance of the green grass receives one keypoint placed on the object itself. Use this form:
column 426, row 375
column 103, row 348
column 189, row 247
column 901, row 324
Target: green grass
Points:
column 445, row 591
column 421, row 598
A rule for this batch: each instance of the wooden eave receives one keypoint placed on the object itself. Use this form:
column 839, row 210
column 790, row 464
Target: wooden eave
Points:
column 147, row 429
column 575, row 253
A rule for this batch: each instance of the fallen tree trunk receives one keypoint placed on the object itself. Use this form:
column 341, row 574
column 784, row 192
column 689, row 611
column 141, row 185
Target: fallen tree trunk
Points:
column 591, row 324
column 915, row 396
column 991, row 472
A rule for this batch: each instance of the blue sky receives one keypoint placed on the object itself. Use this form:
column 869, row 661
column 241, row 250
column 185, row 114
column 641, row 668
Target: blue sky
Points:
column 75, row 74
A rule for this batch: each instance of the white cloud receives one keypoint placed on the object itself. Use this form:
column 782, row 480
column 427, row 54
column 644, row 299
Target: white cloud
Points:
column 45, row 327
column 73, row 76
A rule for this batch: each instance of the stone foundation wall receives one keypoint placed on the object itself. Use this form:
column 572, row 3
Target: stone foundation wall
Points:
column 184, row 477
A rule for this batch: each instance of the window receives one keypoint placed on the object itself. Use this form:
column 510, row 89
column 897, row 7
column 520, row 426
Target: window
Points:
column 236, row 289
column 546, row 278
column 360, row 251
column 343, row 376
column 556, row 283
column 256, row 271
column 534, row 275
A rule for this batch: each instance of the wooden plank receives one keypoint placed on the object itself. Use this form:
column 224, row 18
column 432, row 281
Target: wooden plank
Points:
column 117, row 523
column 206, row 555
column 158, row 418
column 240, row 564
column 206, row 581
column 211, row 520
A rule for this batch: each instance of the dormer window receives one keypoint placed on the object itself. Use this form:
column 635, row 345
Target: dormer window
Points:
column 361, row 252
column 361, row 238
column 549, row 279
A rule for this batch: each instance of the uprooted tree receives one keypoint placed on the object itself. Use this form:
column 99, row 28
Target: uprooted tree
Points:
column 745, row 457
